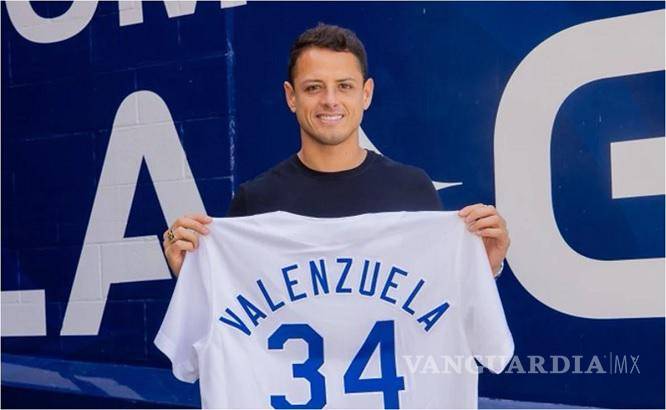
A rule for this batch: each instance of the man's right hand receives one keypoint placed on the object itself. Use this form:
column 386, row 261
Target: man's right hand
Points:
column 186, row 231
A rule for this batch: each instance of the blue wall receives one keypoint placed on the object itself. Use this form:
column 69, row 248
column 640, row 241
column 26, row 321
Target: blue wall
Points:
column 440, row 71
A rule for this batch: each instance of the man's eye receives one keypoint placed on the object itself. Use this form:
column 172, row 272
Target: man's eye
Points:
column 346, row 86
column 310, row 88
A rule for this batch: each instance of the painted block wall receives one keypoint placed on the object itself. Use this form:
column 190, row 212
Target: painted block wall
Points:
column 441, row 72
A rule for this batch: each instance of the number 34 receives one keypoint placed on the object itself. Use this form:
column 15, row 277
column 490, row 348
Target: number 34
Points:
column 382, row 335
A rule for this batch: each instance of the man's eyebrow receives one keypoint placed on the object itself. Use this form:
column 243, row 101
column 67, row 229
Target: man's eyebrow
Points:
column 309, row 81
column 314, row 80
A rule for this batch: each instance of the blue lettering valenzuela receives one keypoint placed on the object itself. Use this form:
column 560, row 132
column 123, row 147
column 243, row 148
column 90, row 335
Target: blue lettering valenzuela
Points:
column 291, row 282
column 343, row 276
column 319, row 277
column 366, row 283
column 390, row 284
column 373, row 283
column 272, row 305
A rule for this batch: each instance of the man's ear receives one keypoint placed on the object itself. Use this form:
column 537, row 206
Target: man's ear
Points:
column 289, row 96
column 368, row 89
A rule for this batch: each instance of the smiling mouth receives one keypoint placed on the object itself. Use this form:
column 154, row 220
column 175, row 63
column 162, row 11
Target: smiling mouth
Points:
column 330, row 118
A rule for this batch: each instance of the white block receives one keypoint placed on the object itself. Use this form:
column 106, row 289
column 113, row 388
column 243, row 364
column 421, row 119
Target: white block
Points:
column 25, row 318
column 637, row 168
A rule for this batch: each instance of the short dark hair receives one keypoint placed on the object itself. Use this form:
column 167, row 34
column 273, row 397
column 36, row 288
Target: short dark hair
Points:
column 330, row 37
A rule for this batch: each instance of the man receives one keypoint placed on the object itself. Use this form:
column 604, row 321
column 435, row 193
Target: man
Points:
column 328, row 89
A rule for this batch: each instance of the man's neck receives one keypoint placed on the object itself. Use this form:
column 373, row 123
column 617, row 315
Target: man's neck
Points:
column 332, row 158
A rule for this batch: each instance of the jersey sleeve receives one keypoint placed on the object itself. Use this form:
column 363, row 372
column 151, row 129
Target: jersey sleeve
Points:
column 486, row 330
column 187, row 320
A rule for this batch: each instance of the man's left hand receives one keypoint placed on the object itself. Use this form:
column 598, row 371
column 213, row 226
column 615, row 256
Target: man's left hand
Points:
column 486, row 222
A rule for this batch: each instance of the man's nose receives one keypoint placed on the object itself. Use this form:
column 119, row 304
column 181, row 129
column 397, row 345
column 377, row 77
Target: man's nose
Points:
column 330, row 98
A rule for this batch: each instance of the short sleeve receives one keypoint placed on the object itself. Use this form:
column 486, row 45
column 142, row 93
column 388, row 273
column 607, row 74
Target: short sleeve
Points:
column 431, row 200
column 238, row 207
column 488, row 335
column 187, row 320
column 422, row 193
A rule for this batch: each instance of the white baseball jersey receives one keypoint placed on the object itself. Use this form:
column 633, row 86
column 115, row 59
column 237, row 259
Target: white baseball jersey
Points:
column 375, row 310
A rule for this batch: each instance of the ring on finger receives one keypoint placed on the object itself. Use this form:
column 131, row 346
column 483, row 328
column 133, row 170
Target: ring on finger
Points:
column 170, row 235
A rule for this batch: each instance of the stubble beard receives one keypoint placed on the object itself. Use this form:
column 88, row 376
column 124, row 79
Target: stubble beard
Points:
column 328, row 140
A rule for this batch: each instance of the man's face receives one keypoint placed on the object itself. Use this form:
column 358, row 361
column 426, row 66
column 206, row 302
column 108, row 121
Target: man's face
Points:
column 328, row 95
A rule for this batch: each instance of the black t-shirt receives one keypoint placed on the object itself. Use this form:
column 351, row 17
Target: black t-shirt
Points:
column 379, row 184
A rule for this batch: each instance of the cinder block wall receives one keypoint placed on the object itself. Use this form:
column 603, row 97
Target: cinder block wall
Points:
column 111, row 132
